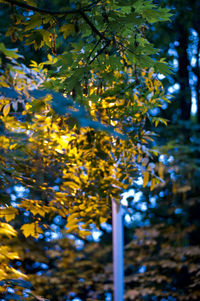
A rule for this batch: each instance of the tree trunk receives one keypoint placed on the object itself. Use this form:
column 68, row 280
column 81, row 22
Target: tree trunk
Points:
column 198, row 80
column 183, row 74
column 196, row 25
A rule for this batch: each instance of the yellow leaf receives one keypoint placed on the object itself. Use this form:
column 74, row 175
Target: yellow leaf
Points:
column 3, row 84
column 71, row 185
column 153, row 183
column 137, row 115
column 32, row 229
column 161, row 171
column 28, row 229
column 2, row 289
column 18, row 274
column 6, row 229
column 146, row 178
column 2, row 274
column 156, row 123
column 72, row 228
column 50, row 57
column 164, row 121
column 73, row 216
column 72, row 223
column 102, row 219
column 6, row 109
column 84, row 233
column 5, row 252
column 37, row 210
column 8, row 213
column 12, row 146
column 82, row 206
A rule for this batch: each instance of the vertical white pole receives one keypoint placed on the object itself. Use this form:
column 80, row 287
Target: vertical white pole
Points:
column 118, row 256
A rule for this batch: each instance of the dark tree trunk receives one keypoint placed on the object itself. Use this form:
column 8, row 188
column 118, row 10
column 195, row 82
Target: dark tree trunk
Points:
column 196, row 25
column 183, row 73
column 198, row 80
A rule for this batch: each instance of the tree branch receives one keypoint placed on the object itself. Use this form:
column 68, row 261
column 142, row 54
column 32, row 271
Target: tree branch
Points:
column 80, row 11
column 91, row 52
column 44, row 11
column 100, row 51
column 94, row 29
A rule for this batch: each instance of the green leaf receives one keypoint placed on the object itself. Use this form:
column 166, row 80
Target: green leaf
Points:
column 67, row 29
column 11, row 53
column 35, row 21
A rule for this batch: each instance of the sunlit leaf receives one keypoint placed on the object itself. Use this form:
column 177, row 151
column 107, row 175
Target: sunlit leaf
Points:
column 145, row 178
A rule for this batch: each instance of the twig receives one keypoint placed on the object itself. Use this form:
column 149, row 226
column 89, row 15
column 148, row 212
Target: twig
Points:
column 91, row 52
column 100, row 51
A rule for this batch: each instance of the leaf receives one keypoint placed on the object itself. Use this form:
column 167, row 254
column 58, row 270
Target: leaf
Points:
column 163, row 120
column 153, row 183
column 11, row 53
column 28, row 229
column 102, row 219
column 145, row 178
column 6, row 229
column 35, row 21
column 163, row 68
column 84, row 233
column 6, row 110
column 161, row 170
column 8, row 213
column 32, row 229
column 67, row 29
column 18, row 274
column 37, row 38
column 156, row 122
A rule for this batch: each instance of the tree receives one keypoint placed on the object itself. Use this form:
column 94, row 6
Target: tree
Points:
column 180, row 40
column 165, row 244
column 73, row 134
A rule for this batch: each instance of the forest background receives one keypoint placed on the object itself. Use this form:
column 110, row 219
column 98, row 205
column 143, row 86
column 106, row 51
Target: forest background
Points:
column 65, row 154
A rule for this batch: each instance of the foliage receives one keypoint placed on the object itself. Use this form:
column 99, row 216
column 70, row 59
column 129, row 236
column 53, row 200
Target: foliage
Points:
column 73, row 124
column 166, row 249
column 181, row 45
column 162, row 250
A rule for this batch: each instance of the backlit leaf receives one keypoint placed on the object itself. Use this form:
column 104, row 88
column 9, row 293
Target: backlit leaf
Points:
column 145, row 178
column 6, row 109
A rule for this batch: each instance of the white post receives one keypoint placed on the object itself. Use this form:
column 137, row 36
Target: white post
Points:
column 118, row 256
